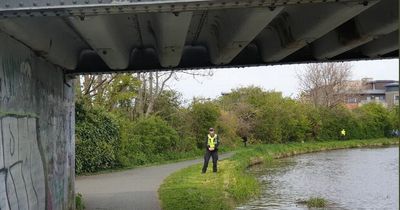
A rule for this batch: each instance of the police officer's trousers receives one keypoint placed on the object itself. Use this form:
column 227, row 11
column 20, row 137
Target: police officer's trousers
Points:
column 214, row 155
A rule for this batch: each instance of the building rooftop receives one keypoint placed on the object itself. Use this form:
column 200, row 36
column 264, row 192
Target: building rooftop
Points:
column 373, row 92
column 394, row 84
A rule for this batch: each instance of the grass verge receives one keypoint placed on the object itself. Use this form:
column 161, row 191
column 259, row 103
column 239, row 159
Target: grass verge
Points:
column 232, row 185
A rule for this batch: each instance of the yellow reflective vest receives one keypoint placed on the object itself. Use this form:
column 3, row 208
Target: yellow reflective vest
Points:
column 212, row 141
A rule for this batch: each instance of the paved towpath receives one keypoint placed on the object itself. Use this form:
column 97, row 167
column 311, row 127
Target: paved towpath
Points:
column 134, row 189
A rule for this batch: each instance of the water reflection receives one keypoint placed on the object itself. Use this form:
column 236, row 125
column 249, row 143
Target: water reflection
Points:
column 348, row 179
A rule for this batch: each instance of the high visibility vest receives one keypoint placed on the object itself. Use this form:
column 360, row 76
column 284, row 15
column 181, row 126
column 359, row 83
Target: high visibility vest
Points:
column 343, row 132
column 212, row 141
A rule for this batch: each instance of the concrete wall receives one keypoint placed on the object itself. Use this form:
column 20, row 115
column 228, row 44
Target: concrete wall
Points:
column 36, row 131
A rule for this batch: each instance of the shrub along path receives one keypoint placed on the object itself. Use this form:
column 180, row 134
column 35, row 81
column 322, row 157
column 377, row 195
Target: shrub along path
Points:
column 131, row 189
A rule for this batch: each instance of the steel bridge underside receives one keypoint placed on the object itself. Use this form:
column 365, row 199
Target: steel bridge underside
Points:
column 100, row 36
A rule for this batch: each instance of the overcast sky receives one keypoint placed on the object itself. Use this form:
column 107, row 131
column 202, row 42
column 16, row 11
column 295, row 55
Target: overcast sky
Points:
column 279, row 78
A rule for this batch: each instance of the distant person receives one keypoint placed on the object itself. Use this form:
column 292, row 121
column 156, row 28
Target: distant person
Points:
column 244, row 139
column 343, row 134
column 395, row 133
column 212, row 144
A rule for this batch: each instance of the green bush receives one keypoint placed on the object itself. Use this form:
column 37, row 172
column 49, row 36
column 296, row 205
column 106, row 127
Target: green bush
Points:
column 97, row 138
column 271, row 118
column 227, row 125
column 149, row 140
column 375, row 120
column 203, row 115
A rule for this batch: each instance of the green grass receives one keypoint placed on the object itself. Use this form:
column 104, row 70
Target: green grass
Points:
column 232, row 185
column 79, row 205
column 316, row 202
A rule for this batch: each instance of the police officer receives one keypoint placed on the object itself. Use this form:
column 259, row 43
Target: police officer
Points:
column 212, row 144
column 343, row 134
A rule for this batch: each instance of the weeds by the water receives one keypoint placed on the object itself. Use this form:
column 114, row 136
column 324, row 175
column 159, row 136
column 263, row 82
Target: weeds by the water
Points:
column 79, row 205
column 316, row 202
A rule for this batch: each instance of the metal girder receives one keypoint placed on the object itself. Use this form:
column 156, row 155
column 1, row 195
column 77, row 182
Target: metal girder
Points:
column 111, row 37
column 297, row 26
column 169, row 32
column 170, row 35
column 364, row 28
column 227, row 32
column 382, row 45
column 32, row 8
column 61, row 46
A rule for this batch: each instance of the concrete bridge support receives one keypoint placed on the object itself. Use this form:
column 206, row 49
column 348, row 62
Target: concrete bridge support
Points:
column 36, row 131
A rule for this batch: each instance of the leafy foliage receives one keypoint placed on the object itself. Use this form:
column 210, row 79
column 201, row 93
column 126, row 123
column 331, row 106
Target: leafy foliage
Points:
column 204, row 116
column 97, row 137
column 106, row 140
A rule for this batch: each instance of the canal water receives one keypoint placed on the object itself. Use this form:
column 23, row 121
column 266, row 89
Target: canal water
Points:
column 347, row 179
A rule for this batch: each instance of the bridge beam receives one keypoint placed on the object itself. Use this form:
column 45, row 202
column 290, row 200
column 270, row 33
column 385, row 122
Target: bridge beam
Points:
column 169, row 32
column 108, row 37
column 300, row 25
column 79, row 8
column 61, row 46
column 228, row 32
column 382, row 45
column 364, row 28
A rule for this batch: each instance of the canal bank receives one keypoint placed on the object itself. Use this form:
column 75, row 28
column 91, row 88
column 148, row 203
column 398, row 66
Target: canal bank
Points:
column 189, row 189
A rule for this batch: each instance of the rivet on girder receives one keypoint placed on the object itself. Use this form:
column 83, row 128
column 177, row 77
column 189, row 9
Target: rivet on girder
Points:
column 34, row 4
column 7, row 5
column 61, row 2
column 21, row 4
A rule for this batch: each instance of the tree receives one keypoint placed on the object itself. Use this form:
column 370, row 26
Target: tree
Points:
column 153, row 84
column 326, row 84
column 111, row 91
column 204, row 115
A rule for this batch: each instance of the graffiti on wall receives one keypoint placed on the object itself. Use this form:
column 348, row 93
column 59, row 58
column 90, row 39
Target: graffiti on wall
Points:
column 22, row 177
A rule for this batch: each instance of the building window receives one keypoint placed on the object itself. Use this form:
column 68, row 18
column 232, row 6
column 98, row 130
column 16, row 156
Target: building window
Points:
column 381, row 98
column 396, row 98
column 352, row 100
